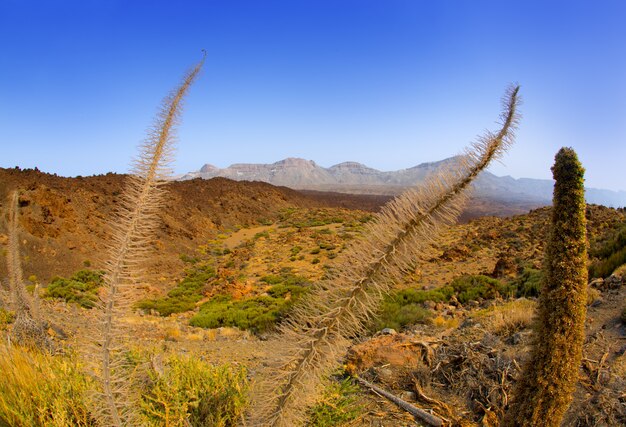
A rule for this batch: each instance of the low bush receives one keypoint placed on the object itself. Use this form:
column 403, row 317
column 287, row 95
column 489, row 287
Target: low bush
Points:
column 468, row 288
column 259, row 313
column 338, row 405
column 189, row 391
column 405, row 307
column 81, row 288
column 608, row 255
column 528, row 284
column 396, row 313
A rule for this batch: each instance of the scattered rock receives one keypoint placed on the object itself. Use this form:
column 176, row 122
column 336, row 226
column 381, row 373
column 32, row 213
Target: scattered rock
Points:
column 505, row 266
column 613, row 282
column 430, row 305
column 388, row 331
column 514, row 339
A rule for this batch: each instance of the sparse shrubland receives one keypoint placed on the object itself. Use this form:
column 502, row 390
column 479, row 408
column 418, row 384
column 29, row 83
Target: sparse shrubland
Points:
column 184, row 296
column 319, row 330
column 406, row 307
column 258, row 313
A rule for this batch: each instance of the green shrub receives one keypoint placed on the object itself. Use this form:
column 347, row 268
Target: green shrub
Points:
column 528, row 284
column 609, row 254
column 468, row 288
column 191, row 392
column 338, row 405
column 605, row 267
column 81, row 288
column 257, row 314
column 397, row 314
column 405, row 307
column 184, row 296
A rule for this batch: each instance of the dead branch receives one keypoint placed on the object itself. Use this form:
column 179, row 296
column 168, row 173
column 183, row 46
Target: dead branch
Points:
column 424, row 416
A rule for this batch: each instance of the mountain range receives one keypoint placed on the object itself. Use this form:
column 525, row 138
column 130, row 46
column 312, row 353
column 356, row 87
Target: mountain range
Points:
column 356, row 178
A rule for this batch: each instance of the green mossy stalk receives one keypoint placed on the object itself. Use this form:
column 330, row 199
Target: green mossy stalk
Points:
column 544, row 391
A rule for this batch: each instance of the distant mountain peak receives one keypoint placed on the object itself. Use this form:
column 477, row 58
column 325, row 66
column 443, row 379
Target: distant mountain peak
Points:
column 208, row 168
column 354, row 177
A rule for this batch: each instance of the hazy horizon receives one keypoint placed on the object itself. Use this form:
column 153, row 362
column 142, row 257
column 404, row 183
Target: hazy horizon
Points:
column 386, row 84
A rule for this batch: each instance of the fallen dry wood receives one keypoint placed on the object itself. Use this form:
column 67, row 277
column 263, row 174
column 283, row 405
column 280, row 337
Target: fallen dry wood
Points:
column 413, row 410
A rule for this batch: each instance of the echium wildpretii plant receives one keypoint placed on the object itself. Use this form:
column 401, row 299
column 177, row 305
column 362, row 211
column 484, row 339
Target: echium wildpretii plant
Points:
column 133, row 226
column 544, row 390
column 319, row 330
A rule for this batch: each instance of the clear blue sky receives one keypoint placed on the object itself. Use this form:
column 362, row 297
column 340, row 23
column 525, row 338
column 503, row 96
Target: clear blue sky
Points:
column 387, row 83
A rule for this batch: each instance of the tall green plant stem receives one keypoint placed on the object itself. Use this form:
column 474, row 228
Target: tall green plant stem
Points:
column 544, row 391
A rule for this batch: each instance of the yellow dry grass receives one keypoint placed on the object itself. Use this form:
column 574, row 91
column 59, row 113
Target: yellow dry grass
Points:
column 38, row 389
column 508, row 318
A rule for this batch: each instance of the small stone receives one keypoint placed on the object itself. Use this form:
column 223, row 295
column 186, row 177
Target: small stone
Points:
column 613, row 282
column 515, row 339
column 430, row 305
column 407, row 395
column 388, row 331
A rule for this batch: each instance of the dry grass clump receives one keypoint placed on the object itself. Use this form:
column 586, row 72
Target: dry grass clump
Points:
column 511, row 317
column 38, row 389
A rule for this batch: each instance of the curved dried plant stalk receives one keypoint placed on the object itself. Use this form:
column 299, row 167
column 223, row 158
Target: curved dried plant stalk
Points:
column 19, row 297
column 28, row 329
column 320, row 329
column 133, row 227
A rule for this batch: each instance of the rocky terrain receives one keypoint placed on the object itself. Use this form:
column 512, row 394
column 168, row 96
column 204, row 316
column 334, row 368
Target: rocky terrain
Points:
column 353, row 177
column 252, row 248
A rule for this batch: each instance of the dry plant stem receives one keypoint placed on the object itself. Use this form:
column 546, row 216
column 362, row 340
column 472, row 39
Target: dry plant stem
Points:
column 19, row 296
column 424, row 416
column 134, row 225
column 544, row 391
column 320, row 328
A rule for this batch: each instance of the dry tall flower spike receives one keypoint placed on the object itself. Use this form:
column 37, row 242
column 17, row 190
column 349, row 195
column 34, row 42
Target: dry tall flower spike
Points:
column 133, row 227
column 319, row 329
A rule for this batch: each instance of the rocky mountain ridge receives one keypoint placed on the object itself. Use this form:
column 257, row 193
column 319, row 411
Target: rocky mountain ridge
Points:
column 353, row 177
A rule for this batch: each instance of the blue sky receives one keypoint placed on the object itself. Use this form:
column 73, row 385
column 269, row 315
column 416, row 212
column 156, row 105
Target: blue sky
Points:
column 389, row 83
